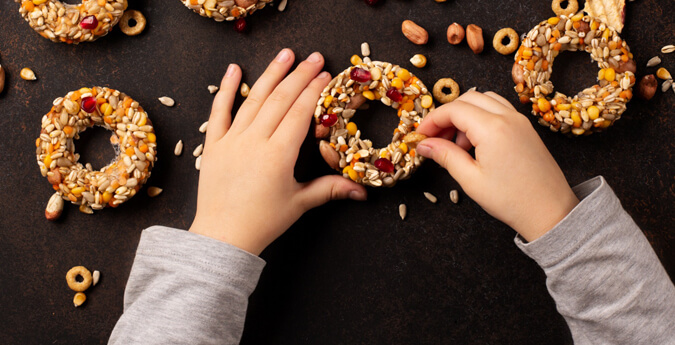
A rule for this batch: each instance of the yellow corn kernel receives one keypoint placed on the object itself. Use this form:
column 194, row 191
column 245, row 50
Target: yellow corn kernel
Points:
column 27, row 74
column 346, row 169
column 408, row 106
column 605, row 35
column 106, row 109
column 576, row 118
column 554, row 20
column 369, row 95
column 28, row 5
column 327, row 101
column 593, row 112
column 594, row 25
column 663, row 74
column 352, row 128
column 403, row 147
column 564, row 106
column 353, row 175
column 77, row 191
column 427, row 101
column 419, row 60
column 577, row 17
column 84, row 90
column 48, row 161
column 356, row 60
column 544, row 105
column 80, row 297
column 403, row 74
column 39, row 2
column 151, row 137
column 610, row 74
column 397, row 83
column 106, row 197
column 601, row 74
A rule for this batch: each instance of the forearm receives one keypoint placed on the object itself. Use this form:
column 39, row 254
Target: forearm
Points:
column 603, row 274
column 186, row 288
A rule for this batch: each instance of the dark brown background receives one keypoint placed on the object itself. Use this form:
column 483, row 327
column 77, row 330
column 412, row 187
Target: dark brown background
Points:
column 346, row 273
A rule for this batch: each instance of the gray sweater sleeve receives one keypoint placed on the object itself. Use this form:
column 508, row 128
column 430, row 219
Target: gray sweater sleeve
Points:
column 186, row 289
column 604, row 276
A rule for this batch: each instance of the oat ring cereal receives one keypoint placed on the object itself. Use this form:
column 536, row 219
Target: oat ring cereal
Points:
column 513, row 41
column 446, row 83
column 572, row 7
column 133, row 138
column 344, row 149
column 594, row 108
column 71, row 278
column 62, row 22
column 221, row 10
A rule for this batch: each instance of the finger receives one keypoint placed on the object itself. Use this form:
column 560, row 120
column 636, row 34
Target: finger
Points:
column 262, row 88
column 449, row 155
column 221, row 111
column 466, row 117
column 485, row 102
column 295, row 124
column 462, row 141
column 447, row 134
column 500, row 99
column 324, row 189
column 285, row 95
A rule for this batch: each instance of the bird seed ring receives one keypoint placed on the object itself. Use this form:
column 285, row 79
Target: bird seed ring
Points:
column 593, row 109
column 71, row 278
column 572, row 7
column 344, row 149
column 133, row 138
column 514, row 40
column 441, row 96
column 61, row 22
column 228, row 10
column 125, row 23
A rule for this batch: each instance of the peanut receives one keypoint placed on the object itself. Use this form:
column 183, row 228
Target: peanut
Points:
column 329, row 154
column 455, row 34
column 647, row 87
column 415, row 33
column 54, row 207
column 474, row 37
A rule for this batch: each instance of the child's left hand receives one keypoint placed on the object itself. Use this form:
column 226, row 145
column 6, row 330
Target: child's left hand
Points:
column 247, row 193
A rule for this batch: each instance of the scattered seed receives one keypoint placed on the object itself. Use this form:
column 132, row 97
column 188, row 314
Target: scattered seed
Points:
column 198, row 150
column 668, row 49
column 454, row 196
column 84, row 208
column 168, row 101
column 471, row 89
column 365, row 49
column 244, row 90
column 79, row 299
column 654, row 61
column 95, row 277
column 419, row 60
column 213, row 89
column 402, row 211
column 282, row 5
column 2, row 79
column 154, row 191
column 202, row 128
column 430, row 197
column 27, row 74
column 179, row 148
column 663, row 74
column 667, row 85
column 198, row 163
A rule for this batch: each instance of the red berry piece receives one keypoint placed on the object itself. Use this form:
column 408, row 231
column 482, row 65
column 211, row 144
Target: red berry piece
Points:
column 394, row 95
column 372, row 2
column 89, row 22
column 360, row 75
column 384, row 165
column 327, row 120
column 240, row 25
column 89, row 104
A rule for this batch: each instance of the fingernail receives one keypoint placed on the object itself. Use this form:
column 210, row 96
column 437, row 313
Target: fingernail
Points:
column 358, row 195
column 324, row 75
column 284, row 55
column 230, row 70
column 314, row 58
column 424, row 150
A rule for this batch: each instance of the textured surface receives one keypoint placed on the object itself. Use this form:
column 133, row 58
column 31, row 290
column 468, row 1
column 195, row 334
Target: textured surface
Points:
column 346, row 272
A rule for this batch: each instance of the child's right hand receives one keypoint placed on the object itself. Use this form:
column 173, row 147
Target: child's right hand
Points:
column 514, row 177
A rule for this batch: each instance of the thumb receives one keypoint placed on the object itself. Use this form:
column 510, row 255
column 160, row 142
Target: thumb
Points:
column 457, row 161
column 324, row 189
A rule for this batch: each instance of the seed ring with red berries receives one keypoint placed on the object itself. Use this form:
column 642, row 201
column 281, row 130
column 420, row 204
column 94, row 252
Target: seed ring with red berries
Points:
column 341, row 143
column 69, row 23
column 133, row 138
column 596, row 107
column 221, row 10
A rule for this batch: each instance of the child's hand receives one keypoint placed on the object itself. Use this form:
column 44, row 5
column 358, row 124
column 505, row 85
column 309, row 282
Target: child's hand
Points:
column 514, row 177
column 247, row 193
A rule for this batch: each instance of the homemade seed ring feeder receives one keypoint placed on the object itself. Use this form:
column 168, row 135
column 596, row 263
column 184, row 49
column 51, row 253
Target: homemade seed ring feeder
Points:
column 593, row 109
column 61, row 22
column 222, row 10
column 344, row 149
column 133, row 138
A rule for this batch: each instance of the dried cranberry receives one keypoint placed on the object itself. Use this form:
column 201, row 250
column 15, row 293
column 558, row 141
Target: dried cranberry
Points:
column 327, row 120
column 240, row 25
column 89, row 104
column 384, row 165
column 394, row 95
column 89, row 22
column 372, row 2
column 360, row 75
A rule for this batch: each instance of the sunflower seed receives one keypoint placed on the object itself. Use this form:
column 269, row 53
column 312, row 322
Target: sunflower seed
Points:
column 244, row 90
column 213, row 89
column 430, row 197
column 667, row 85
column 454, row 196
column 154, row 191
column 402, row 211
column 282, row 5
column 198, row 150
column 179, row 148
column 198, row 163
column 202, row 128
column 668, row 49
column 654, row 61
column 95, row 277
column 168, row 101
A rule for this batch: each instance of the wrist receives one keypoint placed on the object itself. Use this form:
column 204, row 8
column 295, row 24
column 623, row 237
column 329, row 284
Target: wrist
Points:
column 547, row 216
column 221, row 233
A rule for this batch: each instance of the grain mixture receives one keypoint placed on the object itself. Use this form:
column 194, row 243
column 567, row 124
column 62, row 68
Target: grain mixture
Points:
column 228, row 10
